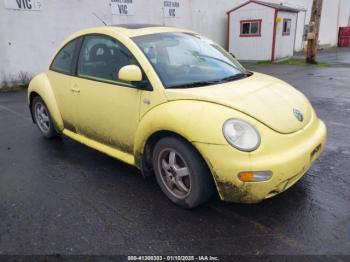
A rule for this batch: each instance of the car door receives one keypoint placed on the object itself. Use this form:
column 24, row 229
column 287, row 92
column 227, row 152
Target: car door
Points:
column 108, row 108
column 60, row 76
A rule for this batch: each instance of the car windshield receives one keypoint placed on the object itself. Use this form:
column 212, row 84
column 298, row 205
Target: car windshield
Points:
column 184, row 60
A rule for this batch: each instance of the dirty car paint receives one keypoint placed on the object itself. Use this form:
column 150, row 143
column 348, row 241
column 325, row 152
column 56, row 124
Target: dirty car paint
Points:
column 115, row 120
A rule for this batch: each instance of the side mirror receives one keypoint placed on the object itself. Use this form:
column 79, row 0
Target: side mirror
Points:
column 130, row 73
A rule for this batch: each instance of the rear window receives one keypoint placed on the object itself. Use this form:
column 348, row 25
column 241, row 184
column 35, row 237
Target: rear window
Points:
column 63, row 62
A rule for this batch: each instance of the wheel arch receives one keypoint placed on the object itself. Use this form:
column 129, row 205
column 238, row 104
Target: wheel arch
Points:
column 31, row 96
column 40, row 86
column 144, row 157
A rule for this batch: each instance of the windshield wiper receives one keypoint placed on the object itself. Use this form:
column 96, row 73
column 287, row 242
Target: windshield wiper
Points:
column 195, row 84
column 234, row 77
column 212, row 82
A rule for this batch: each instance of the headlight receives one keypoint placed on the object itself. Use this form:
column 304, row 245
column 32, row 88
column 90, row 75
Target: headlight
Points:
column 241, row 135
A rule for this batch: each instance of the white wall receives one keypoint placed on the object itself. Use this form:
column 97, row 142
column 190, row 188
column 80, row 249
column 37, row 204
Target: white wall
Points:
column 284, row 46
column 28, row 38
column 299, row 37
column 328, row 27
column 209, row 17
column 335, row 13
column 344, row 13
column 252, row 48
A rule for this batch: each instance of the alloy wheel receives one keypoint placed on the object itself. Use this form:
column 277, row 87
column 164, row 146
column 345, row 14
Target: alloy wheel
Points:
column 175, row 173
column 42, row 117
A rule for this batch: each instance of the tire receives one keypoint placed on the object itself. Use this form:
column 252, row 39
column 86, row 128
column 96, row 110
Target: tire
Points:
column 186, row 188
column 43, row 119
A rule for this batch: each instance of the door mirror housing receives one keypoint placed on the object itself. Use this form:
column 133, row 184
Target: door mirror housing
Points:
column 131, row 73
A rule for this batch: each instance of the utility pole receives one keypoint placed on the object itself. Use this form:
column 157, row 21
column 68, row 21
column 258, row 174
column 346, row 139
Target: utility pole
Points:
column 314, row 27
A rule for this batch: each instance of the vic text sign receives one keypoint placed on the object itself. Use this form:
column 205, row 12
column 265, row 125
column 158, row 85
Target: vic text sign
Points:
column 122, row 7
column 26, row 5
column 171, row 9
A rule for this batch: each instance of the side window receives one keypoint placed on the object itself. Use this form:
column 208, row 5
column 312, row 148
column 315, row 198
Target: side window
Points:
column 287, row 23
column 250, row 28
column 102, row 57
column 64, row 62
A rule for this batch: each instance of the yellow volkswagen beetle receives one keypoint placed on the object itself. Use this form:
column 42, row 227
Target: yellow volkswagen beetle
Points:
column 174, row 103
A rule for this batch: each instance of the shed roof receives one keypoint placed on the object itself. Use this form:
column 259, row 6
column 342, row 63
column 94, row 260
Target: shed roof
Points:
column 279, row 7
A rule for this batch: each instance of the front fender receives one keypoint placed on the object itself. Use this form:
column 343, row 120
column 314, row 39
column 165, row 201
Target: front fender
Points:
column 196, row 121
column 41, row 86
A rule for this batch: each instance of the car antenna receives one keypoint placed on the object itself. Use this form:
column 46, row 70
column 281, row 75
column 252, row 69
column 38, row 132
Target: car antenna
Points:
column 99, row 19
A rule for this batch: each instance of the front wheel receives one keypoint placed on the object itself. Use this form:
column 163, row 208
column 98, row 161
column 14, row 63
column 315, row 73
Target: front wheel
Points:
column 181, row 173
column 43, row 119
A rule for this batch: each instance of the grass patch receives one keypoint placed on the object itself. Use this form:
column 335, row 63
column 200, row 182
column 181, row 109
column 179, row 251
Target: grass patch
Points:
column 301, row 62
column 267, row 62
column 291, row 61
column 12, row 84
column 245, row 63
column 12, row 88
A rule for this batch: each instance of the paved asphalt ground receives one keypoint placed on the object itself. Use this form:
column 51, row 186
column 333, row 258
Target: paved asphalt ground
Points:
column 60, row 197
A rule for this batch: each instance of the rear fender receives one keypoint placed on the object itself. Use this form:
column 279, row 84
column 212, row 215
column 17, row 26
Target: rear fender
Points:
column 40, row 85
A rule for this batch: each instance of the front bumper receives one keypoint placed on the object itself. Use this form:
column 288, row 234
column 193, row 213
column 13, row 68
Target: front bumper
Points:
column 288, row 156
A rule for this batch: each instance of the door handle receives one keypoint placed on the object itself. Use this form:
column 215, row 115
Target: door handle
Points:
column 75, row 89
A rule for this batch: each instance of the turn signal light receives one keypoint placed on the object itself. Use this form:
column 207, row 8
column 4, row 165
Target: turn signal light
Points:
column 255, row 176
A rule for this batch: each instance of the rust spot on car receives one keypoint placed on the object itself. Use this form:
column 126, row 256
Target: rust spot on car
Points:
column 228, row 191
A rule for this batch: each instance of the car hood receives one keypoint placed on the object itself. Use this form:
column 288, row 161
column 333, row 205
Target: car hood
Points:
column 265, row 98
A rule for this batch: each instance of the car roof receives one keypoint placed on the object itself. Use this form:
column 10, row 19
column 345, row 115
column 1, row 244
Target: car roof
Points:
column 132, row 30
column 125, row 31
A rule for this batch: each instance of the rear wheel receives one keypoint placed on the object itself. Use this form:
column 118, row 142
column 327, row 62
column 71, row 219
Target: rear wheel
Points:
column 43, row 119
column 181, row 173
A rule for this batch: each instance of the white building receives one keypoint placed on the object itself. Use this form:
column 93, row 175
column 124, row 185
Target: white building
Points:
column 262, row 31
column 31, row 30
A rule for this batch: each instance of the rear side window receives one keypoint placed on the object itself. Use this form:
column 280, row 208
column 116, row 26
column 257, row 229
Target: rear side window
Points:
column 64, row 60
column 102, row 57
